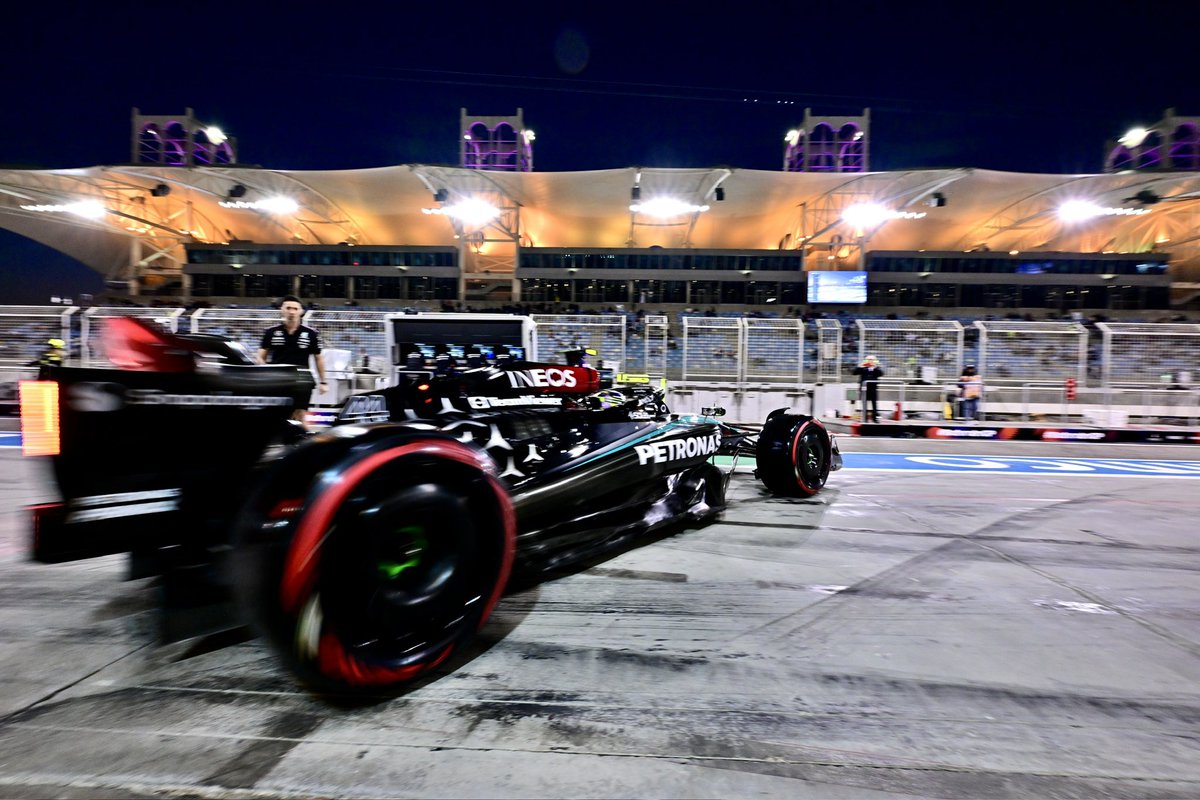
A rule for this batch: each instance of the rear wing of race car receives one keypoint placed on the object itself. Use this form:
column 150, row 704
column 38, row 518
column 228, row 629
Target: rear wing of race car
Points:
column 154, row 450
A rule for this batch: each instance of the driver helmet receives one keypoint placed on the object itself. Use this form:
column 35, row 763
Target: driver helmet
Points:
column 59, row 343
column 609, row 398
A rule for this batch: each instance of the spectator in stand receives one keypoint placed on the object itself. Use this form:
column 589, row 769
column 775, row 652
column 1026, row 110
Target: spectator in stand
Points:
column 292, row 343
column 970, row 391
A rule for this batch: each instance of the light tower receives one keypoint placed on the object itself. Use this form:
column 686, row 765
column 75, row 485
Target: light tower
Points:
column 829, row 144
column 500, row 143
column 1171, row 144
column 179, row 141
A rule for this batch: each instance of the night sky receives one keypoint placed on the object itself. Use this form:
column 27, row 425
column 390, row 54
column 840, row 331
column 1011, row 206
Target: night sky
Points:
column 1030, row 87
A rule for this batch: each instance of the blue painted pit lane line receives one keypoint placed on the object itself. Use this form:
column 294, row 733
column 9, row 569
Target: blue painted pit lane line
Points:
column 1022, row 465
column 966, row 465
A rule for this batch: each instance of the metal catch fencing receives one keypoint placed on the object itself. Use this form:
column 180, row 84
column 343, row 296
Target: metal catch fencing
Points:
column 913, row 350
column 1135, row 353
column 712, row 349
column 646, row 346
column 25, row 334
column 774, row 351
column 828, row 351
column 93, row 321
column 1013, row 352
column 353, row 341
column 557, row 333
column 244, row 325
column 1131, row 359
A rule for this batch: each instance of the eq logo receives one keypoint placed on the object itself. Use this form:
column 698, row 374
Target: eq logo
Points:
column 542, row 378
column 675, row 449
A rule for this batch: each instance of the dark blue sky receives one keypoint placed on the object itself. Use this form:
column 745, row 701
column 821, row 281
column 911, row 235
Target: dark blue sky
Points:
column 1015, row 86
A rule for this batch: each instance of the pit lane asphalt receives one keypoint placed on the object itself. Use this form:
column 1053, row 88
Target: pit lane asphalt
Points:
column 899, row 635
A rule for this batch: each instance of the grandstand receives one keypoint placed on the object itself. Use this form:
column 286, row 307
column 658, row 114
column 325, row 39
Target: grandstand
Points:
column 569, row 242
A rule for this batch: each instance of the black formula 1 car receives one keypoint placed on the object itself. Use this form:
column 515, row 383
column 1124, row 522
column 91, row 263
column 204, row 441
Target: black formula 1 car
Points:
column 369, row 552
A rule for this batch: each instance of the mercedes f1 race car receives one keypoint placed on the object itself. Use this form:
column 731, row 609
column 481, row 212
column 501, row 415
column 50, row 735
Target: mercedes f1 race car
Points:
column 370, row 551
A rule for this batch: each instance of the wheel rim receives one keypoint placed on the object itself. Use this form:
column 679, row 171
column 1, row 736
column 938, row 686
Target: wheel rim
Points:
column 403, row 571
column 810, row 455
column 398, row 558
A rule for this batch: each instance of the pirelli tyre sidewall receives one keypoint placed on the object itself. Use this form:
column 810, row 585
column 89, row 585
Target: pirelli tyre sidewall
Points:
column 372, row 568
column 794, row 454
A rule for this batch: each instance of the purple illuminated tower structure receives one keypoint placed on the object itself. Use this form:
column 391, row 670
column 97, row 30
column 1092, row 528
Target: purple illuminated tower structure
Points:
column 1171, row 144
column 499, row 143
column 829, row 144
column 180, row 141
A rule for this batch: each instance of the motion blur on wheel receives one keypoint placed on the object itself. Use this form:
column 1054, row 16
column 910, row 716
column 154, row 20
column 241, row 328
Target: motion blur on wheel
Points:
column 370, row 553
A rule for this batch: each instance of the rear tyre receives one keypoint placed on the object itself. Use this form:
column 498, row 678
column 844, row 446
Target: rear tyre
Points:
column 389, row 563
column 794, row 454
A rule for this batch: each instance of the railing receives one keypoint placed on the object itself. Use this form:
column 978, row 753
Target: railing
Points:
column 1035, row 401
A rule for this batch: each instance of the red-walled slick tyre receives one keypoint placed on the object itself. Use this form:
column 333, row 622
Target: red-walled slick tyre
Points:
column 381, row 567
column 794, row 454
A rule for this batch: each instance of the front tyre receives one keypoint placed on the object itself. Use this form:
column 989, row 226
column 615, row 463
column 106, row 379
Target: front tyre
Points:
column 794, row 454
column 391, row 562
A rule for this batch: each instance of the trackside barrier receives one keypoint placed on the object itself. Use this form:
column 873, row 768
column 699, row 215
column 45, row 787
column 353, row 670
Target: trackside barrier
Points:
column 26, row 330
column 556, row 333
column 1147, row 371
column 828, row 351
column 91, row 331
column 927, row 350
column 1015, row 352
column 774, row 351
column 656, row 342
column 244, row 325
column 713, row 349
column 362, row 333
column 25, row 334
column 1162, row 353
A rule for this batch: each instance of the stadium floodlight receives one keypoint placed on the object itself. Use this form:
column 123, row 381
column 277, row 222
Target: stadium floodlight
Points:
column 272, row 205
column 279, row 205
column 215, row 134
column 471, row 211
column 1079, row 211
column 792, row 136
column 665, row 207
column 1083, row 210
column 871, row 215
column 1134, row 137
column 88, row 209
column 866, row 215
column 528, row 135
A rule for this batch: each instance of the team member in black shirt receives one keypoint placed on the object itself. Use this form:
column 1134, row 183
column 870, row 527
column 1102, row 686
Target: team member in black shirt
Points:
column 293, row 343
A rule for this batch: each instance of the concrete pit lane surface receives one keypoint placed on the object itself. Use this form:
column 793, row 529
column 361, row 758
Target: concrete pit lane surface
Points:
column 964, row 633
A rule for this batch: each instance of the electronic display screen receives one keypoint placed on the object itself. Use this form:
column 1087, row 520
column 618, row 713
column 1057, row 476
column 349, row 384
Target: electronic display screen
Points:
column 837, row 287
column 426, row 338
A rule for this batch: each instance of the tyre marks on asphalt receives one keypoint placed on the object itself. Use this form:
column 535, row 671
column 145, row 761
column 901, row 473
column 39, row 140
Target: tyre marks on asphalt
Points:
column 647, row 663
column 261, row 755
